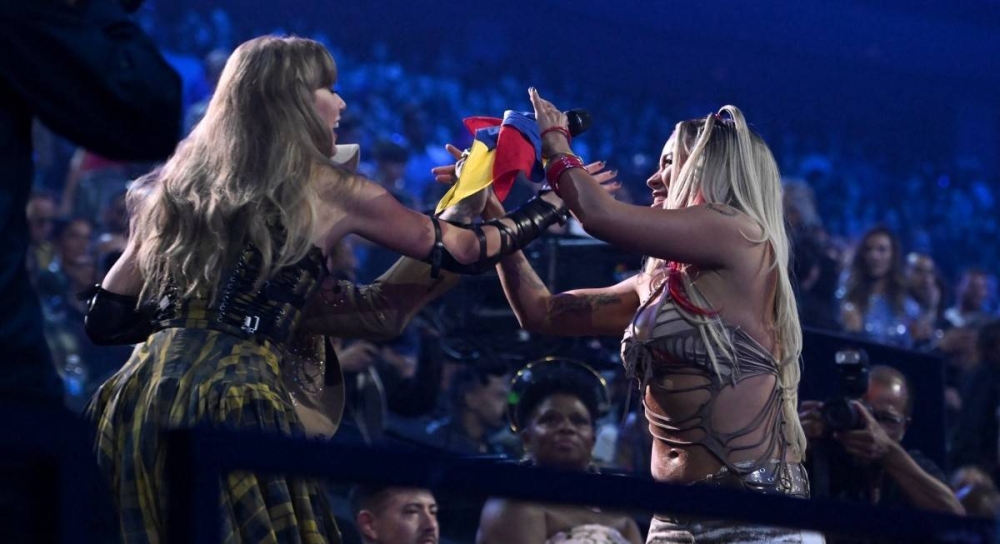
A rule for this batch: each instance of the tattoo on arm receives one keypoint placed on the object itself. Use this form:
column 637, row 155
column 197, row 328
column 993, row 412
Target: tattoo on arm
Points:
column 724, row 210
column 576, row 304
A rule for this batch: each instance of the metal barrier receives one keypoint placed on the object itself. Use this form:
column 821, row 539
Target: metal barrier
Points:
column 48, row 470
column 198, row 457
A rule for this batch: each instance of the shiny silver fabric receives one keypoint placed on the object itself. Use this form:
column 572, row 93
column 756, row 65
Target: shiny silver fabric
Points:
column 770, row 477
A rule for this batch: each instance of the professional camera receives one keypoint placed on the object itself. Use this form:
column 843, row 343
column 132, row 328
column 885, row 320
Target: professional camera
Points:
column 840, row 413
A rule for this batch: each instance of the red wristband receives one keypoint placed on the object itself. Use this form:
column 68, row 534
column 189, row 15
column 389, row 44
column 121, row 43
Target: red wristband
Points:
column 563, row 130
column 557, row 167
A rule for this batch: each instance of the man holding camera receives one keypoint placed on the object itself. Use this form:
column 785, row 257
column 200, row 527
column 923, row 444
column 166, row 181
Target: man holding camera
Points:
column 868, row 462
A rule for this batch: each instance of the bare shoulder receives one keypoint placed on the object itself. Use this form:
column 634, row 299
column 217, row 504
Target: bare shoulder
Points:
column 505, row 520
column 338, row 193
column 723, row 209
column 337, row 186
column 737, row 217
column 506, row 510
column 734, row 225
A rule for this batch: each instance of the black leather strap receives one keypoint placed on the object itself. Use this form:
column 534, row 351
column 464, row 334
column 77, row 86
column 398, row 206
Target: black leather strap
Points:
column 530, row 221
column 438, row 250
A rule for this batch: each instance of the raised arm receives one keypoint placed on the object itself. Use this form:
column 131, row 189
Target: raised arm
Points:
column 709, row 236
column 374, row 214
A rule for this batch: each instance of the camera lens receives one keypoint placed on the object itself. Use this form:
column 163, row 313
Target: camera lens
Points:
column 840, row 414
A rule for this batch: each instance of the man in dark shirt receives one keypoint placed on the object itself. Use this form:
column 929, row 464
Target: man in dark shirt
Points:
column 478, row 395
column 86, row 71
column 870, row 464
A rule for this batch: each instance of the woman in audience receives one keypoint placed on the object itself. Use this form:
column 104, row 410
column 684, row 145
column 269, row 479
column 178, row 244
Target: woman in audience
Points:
column 874, row 300
column 554, row 407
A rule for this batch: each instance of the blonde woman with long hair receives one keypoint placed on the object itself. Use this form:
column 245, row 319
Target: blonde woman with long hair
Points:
column 711, row 330
column 225, row 268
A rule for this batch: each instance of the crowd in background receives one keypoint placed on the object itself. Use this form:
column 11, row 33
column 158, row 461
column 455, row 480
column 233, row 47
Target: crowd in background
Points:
column 899, row 251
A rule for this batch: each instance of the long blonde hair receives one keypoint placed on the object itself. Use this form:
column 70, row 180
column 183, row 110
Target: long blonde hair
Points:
column 243, row 176
column 728, row 163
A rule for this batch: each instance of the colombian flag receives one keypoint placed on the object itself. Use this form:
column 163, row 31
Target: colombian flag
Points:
column 501, row 149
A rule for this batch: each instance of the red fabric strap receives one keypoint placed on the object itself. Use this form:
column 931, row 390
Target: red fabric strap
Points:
column 558, row 166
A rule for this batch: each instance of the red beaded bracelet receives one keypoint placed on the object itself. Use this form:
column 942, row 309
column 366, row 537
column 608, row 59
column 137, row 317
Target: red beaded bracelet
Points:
column 563, row 130
column 557, row 167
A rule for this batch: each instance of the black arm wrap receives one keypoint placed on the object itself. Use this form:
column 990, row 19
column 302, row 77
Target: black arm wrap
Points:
column 113, row 319
column 530, row 221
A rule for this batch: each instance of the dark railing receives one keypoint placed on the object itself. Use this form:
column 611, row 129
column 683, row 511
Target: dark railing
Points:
column 47, row 470
column 199, row 457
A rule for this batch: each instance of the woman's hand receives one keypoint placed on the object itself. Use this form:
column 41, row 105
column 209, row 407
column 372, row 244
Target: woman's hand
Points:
column 608, row 179
column 810, row 415
column 548, row 116
column 449, row 173
column 469, row 207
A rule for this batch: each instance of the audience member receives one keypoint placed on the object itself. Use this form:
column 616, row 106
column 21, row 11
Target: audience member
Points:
column 974, row 441
column 874, row 301
column 924, row 287
column 395, row 515
column 478, row 395
column 972, row 296
column 41, row 214
column 554, row 406
column 869, row 463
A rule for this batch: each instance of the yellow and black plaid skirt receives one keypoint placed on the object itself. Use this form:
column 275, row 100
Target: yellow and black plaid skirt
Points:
column 185, row 377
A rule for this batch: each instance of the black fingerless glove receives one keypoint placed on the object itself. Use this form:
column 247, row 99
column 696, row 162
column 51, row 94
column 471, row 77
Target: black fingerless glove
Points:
column 530, row 221
column 113, row 319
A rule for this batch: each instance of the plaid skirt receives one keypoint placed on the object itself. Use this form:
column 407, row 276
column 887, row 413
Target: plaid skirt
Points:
column 182, row 377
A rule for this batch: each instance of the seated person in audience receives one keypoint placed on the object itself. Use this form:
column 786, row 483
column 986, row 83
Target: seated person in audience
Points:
column 976, row 432
column 924, row 286
column 113, row 236
column 962, row 321
column 870, row 464
column 478, row 394
column 814, row 265
column 554, row 406
column 972, row 299
column 72, row 241
column 395, row 515
column 874, row 301
column 41, row 213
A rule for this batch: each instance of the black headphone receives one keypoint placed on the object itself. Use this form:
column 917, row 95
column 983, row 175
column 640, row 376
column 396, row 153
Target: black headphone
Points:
column 540, row 370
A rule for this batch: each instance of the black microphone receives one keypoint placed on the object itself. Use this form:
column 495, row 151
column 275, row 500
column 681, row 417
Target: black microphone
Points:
column 579, row 121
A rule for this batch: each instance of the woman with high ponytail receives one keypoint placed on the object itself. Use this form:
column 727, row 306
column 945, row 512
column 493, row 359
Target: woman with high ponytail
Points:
column 711, row 328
